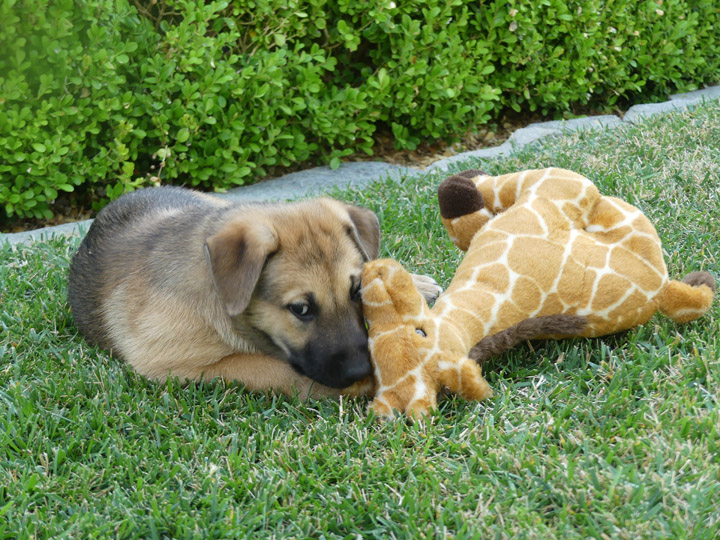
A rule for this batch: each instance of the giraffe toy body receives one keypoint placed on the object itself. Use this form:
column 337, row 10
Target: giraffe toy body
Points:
column 539, row 243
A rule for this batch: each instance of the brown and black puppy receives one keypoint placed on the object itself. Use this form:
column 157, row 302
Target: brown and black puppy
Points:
column 183, row 284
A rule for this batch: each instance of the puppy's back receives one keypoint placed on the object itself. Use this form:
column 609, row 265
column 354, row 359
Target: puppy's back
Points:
column 121, row 235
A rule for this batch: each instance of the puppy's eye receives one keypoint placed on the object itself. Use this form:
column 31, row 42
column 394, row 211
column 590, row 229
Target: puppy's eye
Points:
column 355, row 291
column 301, row 310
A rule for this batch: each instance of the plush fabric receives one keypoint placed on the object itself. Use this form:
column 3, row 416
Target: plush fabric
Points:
column 539, row 243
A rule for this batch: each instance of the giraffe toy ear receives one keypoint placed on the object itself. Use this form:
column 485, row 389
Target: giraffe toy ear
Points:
column 393, row 285
column 458, row 196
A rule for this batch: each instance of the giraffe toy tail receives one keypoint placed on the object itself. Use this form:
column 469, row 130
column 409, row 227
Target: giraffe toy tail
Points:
column 689, row 299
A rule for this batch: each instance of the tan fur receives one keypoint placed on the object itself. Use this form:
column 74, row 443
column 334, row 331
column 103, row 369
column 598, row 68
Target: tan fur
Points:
column 183, row 284
column 539, row 243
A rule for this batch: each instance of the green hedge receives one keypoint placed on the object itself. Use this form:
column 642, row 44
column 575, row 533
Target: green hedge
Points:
column 104, row 96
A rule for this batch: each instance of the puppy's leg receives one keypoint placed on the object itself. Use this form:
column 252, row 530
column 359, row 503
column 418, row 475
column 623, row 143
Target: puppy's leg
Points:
column 427, row 287
column 262, row 373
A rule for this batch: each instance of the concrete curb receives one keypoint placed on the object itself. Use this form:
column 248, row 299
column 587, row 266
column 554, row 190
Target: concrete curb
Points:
column 359, row 174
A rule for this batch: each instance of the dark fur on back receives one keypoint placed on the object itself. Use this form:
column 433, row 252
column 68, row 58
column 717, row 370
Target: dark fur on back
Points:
column 105, row 242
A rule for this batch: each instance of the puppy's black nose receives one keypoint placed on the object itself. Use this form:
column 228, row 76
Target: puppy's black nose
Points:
column 359, row 370
column 350, row 366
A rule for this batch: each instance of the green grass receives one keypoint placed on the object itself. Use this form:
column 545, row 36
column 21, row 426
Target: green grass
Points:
column 603, row 438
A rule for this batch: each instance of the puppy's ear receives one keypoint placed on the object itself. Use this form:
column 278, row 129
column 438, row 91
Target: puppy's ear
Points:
column 236, row 255
column 366, row 231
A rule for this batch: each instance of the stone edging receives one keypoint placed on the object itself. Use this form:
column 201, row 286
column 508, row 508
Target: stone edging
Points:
column 359, row 174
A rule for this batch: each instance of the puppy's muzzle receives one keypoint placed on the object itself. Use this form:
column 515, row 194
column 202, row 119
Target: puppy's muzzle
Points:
column 334, row 364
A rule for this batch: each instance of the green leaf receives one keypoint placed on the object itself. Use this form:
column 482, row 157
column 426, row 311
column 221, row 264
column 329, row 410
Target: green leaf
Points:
column 343, row 27
column 40, row 147
column 183, row 135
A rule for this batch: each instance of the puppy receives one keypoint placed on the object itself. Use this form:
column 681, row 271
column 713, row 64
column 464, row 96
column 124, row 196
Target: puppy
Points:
column 179, row 283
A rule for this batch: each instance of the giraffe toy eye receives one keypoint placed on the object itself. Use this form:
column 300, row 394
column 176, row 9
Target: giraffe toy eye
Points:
column 420, row 332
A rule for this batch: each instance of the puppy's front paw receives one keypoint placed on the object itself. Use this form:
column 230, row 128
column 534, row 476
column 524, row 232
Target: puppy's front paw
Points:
column 427, row 287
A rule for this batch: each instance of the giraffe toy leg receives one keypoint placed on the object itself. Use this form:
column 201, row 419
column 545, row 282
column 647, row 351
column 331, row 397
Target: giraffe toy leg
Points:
column 468, row 200
column 464, row 377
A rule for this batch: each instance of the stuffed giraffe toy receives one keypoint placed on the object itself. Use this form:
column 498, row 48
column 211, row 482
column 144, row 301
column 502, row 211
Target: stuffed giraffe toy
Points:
column 539, row 243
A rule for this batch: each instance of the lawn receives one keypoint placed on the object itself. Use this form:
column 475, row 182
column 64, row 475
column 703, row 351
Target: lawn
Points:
column 590, row 438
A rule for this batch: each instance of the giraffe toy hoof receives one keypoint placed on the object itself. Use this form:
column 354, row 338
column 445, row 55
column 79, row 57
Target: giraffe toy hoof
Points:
column 381, row 410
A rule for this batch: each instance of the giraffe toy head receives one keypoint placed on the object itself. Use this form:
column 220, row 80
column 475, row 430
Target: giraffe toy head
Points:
column 409, row 370
column 540, row 244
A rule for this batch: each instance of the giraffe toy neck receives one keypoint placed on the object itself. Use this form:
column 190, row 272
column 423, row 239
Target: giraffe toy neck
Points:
column 461, row 319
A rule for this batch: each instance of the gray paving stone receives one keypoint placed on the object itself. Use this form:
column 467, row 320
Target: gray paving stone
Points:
column 451, row 162
column 677, row 102
column 525, row 136
column 576, row 124
column 66, row 229
column 637, row 112
column 531, row 134
column 700, row 95
column 315, row 181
